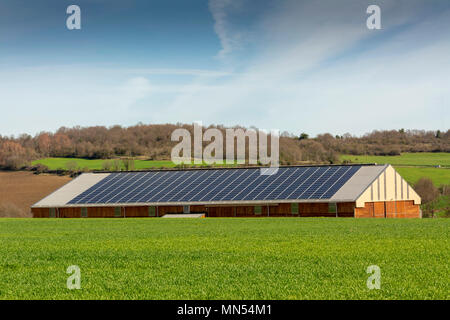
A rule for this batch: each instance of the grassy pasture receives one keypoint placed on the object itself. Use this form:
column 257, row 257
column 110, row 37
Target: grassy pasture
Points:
column 413, row 166
column 96, row 164
column 439, row 176
column 406, row 159
column 268, row 258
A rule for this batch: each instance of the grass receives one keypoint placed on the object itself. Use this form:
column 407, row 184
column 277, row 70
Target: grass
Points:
column 269, row 258
column 406, row 159
column 97, row 164
column 442, row 205
column 413, row 166
column 439, row 176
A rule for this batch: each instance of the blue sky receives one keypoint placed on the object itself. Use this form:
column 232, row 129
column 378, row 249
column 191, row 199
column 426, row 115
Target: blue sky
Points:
column 299, row 66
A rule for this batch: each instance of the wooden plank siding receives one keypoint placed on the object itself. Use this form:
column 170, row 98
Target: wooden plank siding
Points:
column 40, row 212
column 389, row 209
column 102, row 212
column 136, row 212
column 69, row 212
column 346, row 209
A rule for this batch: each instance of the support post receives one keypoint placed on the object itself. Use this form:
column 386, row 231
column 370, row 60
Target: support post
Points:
column 395, row 205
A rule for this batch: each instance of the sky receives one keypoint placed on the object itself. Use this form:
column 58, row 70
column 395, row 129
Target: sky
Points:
column 292, row 65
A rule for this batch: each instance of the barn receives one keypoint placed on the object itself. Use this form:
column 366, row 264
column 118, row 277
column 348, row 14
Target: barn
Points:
column 359, row 191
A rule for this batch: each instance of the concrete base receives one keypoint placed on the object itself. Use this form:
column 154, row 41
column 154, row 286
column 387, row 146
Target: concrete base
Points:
column 184, row 215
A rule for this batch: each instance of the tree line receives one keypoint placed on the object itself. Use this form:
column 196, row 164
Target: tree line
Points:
column 153, row 141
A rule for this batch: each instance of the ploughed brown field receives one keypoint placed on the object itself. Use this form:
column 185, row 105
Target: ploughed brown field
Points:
column 19, row 190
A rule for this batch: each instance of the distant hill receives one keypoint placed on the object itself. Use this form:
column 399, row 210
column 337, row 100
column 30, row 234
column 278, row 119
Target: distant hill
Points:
column 153, row 142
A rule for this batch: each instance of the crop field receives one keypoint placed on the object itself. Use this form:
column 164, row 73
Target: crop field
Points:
column 19, row 190
column 270, row 258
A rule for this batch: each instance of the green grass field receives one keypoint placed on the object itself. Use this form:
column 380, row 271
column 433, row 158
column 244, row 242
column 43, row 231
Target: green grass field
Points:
column 439, row 176
column 413, row 166
column 96, row 164
column 406, row 159
column 279, row 258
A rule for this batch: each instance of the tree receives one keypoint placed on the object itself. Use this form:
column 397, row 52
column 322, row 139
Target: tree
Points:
column 426, row 190
column 303, row 136
column 43, row 144
column 429, row 193
column 12, row 155
column 116, row 165
column 128, row 164
column 438, row 134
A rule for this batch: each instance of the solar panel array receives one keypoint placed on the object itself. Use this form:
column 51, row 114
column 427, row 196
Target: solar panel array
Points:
column 291, row 183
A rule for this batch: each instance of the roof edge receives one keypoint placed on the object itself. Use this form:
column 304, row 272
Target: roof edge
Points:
column 242, row 167
column 203, row 203
column 49, row 195
column 372, row 181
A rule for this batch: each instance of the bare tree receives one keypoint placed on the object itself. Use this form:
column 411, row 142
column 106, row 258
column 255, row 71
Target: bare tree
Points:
column 426, row 190
column 128, row 163
column 429, row 193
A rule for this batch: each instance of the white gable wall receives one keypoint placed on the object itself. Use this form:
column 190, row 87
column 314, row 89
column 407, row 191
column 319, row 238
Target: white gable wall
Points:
column 389, row 186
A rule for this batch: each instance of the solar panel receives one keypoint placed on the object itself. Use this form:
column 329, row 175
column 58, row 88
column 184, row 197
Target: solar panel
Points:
column 196, row 192
column 245, row 184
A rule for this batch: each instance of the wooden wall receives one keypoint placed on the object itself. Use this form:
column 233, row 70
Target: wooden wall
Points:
column 135, row 212
column 236, row 211
column 346, row 209
column 281, row 210
column 392, row 209
column 389, row 209
column 69, row 212
column 40, row 212
column 284, row 210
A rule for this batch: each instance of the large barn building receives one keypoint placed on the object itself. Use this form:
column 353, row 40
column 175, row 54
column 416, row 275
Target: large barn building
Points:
column 296, row 191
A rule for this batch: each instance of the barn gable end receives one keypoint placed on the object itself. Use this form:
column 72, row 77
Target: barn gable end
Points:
column 388, row 186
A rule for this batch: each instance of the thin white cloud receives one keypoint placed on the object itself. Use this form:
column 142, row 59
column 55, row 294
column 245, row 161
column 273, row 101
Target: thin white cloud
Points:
column 140, row 71
column 185, row 72
column 219, row 11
